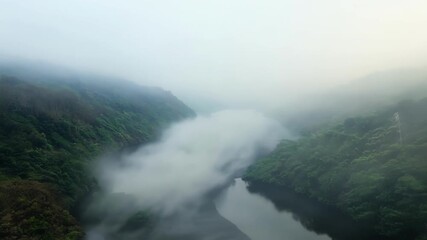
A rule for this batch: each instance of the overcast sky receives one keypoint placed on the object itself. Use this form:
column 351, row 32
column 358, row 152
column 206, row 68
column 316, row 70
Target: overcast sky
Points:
column 232, row 51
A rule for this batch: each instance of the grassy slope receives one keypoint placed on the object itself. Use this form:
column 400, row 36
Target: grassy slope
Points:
column 360, row 166
column 49, row 132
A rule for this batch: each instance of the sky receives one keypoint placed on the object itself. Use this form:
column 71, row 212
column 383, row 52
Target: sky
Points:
column 229, row 52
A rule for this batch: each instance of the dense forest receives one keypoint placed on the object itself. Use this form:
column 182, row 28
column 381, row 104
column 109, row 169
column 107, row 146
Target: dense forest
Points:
column 51, row 129
column 372, row 167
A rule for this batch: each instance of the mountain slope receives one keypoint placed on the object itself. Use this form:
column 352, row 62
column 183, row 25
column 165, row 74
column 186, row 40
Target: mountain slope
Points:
column 361, row 166
column 51, row 127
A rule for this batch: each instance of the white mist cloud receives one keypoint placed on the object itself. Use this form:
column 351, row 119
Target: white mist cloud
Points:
column 192, row 158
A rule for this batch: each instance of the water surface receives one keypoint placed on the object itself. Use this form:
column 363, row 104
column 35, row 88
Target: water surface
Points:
column 266, row 212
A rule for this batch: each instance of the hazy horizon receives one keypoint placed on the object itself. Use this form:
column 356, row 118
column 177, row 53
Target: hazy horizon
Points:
column 234, row 54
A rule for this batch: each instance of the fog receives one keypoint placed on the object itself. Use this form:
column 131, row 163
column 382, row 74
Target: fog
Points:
column 192, row 158
column 174, row 177
column 216, row 54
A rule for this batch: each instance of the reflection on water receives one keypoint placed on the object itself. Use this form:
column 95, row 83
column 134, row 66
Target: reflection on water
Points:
column 268, row 212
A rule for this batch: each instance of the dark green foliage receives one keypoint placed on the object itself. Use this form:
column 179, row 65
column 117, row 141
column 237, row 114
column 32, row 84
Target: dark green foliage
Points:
column 32, row 210
column 360, row 166
column 50, row 130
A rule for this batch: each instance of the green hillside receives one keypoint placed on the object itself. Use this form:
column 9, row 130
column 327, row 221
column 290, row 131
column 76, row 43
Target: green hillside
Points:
column 363, row 167
column 51, row 128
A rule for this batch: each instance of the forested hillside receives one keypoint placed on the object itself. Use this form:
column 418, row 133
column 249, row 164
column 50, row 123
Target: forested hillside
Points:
column 373, row 168
column 50, row 131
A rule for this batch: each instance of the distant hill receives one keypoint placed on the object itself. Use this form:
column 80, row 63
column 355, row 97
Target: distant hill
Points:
column 358, row 97
column 53, row 123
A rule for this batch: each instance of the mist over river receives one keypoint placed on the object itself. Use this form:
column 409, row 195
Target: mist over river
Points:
column 185, row 184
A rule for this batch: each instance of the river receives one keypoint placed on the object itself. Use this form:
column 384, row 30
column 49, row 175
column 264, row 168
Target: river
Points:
column 239, row 211
column 267, row 212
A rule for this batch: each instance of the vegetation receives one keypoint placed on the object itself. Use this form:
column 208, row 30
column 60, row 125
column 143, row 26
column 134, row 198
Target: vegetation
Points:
column 30, row 210
column 363, row 166
column 51, row 129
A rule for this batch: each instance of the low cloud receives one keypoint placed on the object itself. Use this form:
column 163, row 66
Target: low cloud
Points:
column 192, row 158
